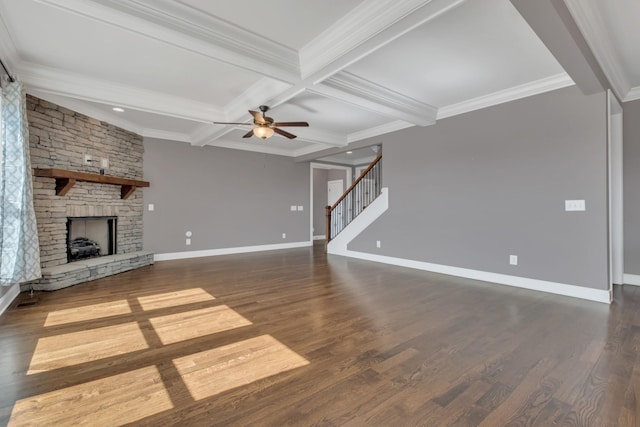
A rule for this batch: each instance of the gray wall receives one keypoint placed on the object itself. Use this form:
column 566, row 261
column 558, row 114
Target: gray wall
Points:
column 631, row 135
column 226, row 198
column 319, row 200
column 473, row 189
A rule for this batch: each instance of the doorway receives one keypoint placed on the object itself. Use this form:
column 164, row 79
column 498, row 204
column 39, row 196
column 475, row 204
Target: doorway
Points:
column 321, row 174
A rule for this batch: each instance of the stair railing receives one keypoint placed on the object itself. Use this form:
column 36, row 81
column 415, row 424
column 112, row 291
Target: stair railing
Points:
column 358, row 196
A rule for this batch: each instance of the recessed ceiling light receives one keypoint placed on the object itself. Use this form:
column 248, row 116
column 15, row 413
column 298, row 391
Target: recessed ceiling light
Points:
column 118, row 109
column 349, row 152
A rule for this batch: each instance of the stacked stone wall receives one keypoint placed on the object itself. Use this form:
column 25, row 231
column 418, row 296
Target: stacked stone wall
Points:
column 59, row 138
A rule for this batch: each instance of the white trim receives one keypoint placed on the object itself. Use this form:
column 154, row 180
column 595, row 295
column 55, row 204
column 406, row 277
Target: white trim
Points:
column 597, row 37
column 632, row 279
column 69, row 84
column 7, row 299
column 615, row 190
column 378, row 130
column 338, row 245
column 367, row 27
column 229, row 251
column 349, row 88
column 313, row 166
column 547, row 84
column 598, row 295
column 633, row 94
column 322, row 237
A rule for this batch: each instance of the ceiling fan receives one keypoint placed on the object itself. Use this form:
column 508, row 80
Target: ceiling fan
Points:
column 265, row 126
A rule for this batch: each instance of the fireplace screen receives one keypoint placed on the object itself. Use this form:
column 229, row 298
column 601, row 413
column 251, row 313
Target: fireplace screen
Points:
column 89, row 237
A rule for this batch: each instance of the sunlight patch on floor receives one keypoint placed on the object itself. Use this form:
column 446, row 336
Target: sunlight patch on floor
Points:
column 110, row 401
column 60, row 351
column 211, row 372
column 174, row 299
column 87, row 312
column 196, row 323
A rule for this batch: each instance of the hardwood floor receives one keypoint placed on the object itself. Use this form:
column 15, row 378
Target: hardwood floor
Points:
column 293, row 338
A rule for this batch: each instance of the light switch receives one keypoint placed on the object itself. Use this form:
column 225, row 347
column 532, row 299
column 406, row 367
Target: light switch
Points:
column 574, row 205
column 300, row 208
column 293, row 208
column 104, row 163
column 188, row 242
column 513, row 259
column 151, row 207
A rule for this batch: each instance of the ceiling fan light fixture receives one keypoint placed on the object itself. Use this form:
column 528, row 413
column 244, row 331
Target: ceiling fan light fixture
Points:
column 263, row 132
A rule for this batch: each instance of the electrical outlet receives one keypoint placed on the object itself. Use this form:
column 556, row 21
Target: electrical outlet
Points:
column 377, row 243
column 87, row 159
column 284, row 235
column 513, row 259
column 188, row 242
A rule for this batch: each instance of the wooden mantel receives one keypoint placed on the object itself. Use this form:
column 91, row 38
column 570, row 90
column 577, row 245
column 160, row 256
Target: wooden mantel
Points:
column 66, row 179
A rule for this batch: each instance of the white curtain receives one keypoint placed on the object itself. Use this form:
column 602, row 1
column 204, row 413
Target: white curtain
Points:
column 19, row 248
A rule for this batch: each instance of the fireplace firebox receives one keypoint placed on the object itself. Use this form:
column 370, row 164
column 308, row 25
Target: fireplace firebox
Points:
column 91, row 236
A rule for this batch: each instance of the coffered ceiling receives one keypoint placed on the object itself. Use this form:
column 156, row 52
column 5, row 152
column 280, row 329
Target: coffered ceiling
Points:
column 352, row 68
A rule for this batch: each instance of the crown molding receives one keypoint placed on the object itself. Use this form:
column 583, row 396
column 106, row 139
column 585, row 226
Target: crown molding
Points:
column 633, row 94
column 165, row 134
column 536, row 87
column 65, row 83
column 378, row 130
column 355, row 90
column 87, row 110
column 597, row 38
column 183, row 26
column 369, row 26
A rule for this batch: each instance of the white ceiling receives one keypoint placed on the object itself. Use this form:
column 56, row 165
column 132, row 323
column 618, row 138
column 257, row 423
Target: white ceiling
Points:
column 352, row 68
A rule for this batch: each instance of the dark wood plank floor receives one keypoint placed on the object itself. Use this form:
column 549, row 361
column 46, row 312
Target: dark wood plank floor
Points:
column 293, row 338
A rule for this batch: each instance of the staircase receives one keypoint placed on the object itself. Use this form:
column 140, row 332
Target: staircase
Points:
column 358, row 196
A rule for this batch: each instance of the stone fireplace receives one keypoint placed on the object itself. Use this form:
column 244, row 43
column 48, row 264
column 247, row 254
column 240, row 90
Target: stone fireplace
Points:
column 59, row 138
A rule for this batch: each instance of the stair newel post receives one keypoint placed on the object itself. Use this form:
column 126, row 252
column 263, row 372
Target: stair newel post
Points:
column 328, row 223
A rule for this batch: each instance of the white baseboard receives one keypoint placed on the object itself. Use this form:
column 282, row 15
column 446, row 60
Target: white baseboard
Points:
column 631, row 279
column 7, row 299
column 599, row 295
column 322, row 237
column 229, row 251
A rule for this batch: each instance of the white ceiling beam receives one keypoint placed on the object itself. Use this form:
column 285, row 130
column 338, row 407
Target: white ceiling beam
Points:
column 65, row 83
column 355, row 90
column 378, row 130
column 596, row 35
column 511, row 94
column 368, row 27
column 182, row 26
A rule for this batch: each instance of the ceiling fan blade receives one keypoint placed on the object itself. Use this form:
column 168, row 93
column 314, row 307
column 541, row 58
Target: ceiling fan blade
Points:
column 248, row 134
column 231, row 123
column 257, row 117
column 301, row 124
column 284, row 133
